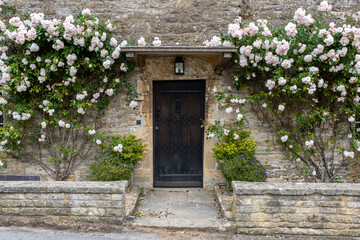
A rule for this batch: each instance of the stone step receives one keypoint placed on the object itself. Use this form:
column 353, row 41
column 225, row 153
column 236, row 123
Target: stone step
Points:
column 181, row 209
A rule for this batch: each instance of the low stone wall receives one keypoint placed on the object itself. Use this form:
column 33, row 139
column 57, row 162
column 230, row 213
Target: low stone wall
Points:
column 327, row 209
column 78, row 201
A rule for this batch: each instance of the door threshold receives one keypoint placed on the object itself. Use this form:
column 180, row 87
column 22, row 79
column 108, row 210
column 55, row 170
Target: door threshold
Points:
column 178, row 184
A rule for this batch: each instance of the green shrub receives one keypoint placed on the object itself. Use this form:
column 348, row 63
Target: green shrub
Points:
column 115, row 165
column 242, row 168
column 103, row 171
column 236, row 158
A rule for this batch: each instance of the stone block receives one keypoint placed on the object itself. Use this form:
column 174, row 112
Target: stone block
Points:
column 295, row 217
column 242, row 217
column 288, row 209
column 261, row 217
column 247, row 209
column 308, row 210
column 271, row 209
column 353, row 204
column 318, row 218
column 115, row 212
column 78, row 211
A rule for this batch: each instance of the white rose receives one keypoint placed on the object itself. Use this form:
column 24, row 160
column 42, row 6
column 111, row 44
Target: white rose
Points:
column 61, row 123
column 133, row 104
column 284, row 138
column 92, row 132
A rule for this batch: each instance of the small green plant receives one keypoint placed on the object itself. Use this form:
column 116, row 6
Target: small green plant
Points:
column 117, row 159
column 236, row 158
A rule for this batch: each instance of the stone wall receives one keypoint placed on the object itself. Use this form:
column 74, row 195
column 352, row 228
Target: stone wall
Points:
column 183, row 21
column 188, row 22
column 327, row 209
column 78, row 201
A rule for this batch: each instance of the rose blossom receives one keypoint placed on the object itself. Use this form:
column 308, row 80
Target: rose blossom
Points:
column 141, row 42
column 349, row 154
column 133, row 104
column 282, row 81
column 92, row 132
column 34, row 47
column 118, row 148
column 290, row 29
column 211, row 135
column 113, row 42
column 156, row 42
column 324, row 6
column 86, row 12
column 228, row 110
column 284, row 138
column 109, row 92
column 309, row 143
column 107, row 64
column 351, row 119
column 61, row 123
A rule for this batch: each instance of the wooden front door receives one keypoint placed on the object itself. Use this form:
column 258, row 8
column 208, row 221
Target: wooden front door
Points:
column 178, row 136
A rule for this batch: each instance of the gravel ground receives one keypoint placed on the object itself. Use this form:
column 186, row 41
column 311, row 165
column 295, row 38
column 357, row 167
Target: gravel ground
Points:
column 34, row 233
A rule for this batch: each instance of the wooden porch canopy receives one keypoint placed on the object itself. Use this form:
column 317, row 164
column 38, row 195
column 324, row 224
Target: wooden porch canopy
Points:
column 219, row 56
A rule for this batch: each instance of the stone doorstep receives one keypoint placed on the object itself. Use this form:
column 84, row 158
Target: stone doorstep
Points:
column 156, row 221
column 224, row 205
column 227, row 228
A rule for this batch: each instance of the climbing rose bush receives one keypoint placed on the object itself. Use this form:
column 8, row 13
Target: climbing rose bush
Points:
column 303, row 80
column 57, row 76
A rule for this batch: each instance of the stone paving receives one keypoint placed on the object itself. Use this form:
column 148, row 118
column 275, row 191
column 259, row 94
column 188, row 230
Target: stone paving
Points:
column 180, row 209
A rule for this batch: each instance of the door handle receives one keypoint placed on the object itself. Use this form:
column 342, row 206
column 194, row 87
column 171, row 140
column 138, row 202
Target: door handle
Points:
column 158, row 113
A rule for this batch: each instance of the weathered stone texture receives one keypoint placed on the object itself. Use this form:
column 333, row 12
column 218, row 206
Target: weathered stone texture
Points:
column 78, row 201
column 185, row 21
column 188, row 22
column 297, row 208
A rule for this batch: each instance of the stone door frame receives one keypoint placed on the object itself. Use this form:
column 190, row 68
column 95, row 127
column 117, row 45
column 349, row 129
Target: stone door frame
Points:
column 156, row 64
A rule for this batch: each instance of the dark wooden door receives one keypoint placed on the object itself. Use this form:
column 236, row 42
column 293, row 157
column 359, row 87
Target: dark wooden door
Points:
column 178, row 136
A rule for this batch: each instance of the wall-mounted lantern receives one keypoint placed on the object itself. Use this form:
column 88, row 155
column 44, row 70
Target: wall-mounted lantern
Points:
column 179, row 67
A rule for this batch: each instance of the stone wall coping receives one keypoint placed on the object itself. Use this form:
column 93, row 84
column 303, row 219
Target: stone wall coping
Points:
column 178, row 50
column 137, row 54
column 63, row 187
column 260, row 188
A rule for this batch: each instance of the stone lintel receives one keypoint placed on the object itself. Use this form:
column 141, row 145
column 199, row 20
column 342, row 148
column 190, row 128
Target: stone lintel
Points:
column 137, row 55
column 261, row 188
column 63, row 187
